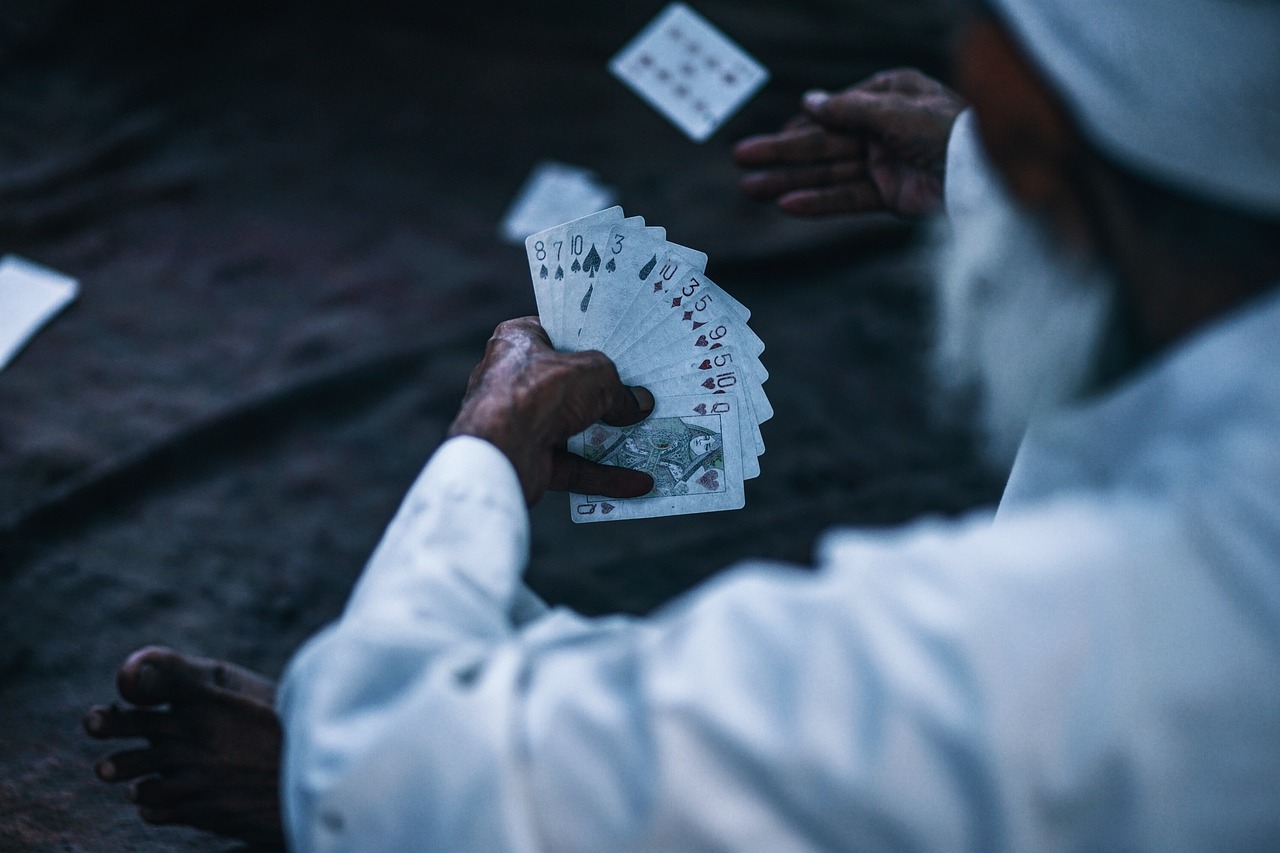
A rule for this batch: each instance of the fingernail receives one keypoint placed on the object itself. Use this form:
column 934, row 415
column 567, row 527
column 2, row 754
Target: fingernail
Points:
column 816, row 98
column 643, row 399
column 107, row 769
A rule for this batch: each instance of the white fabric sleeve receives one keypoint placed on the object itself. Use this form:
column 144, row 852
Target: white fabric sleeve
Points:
column 455, row 549
column 437, row 593
column 945, row 686
column 971, row 182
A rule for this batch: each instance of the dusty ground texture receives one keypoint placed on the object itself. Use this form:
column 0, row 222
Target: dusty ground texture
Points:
column 284, row 216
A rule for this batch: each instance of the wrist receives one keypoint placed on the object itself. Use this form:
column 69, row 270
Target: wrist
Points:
column 500, row 424
column 484, row 421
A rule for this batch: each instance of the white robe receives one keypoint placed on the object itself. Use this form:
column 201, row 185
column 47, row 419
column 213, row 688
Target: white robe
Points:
column 1098, row 669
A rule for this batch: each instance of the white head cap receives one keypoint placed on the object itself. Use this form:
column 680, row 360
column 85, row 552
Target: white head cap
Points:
column 1186, row 92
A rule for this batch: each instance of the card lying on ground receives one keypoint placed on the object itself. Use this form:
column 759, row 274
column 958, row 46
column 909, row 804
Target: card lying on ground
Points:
column 689, row 71
column 611, row 283
column 554, row 192
column 30, row 295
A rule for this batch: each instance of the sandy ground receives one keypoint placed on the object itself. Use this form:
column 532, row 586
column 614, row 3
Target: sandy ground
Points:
column 284, row 220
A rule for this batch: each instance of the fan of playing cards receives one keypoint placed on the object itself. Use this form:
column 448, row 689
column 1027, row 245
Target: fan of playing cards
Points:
column 610, row 283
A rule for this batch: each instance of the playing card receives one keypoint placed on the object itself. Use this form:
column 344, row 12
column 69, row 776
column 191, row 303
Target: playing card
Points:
column 718, row 372
column 689, row 445
column 635, row 318
column 548, row 265
column 611, row 283
column 30, row 296
column 633, row 256
column 751, row 369
column 736, row 375
column 590, row 264
column 748, row 428
column 719, row 333
column 664, row 329
column 685, row 303
column 689, row 71
column 553, row 193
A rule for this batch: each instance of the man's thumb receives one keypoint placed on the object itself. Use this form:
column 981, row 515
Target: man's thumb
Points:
column 631, row 405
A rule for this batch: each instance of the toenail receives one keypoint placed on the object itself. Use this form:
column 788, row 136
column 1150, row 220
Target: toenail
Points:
column 107, row 769
column 131, row 793
column 147, row 677
column 95, row 723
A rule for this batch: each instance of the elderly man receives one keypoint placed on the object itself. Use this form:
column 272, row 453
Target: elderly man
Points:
column 1097, row 669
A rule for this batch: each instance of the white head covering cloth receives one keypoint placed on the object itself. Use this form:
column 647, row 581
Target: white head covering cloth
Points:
column 1186, row 92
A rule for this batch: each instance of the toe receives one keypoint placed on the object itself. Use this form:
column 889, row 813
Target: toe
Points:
column 251, row 814
column 191, row 786
column 145, row 678
column 158, row 815
column 157, row 674
column 115, row 721
column 96, row 721
column 164, row 792
column 129, row 764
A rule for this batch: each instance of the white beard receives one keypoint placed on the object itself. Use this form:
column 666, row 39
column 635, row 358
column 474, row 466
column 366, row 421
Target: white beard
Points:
column 1019, row 322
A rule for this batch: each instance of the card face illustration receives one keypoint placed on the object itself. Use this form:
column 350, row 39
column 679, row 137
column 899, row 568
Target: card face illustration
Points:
column 689, row 71
column 691, row 446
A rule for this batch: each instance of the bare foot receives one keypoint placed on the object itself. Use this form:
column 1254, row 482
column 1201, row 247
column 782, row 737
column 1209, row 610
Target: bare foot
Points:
column 213, row 758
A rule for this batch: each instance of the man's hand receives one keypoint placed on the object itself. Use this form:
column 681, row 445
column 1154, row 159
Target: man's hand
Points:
column 527, row 399
column 878, row 146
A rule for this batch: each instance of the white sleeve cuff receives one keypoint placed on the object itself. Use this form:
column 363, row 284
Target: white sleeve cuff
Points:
column 460, row 539
column 971, row 181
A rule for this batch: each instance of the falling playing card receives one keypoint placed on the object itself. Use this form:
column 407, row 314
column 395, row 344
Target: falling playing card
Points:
column 553, row 193
column 30, row 295
column 610, row 283
column 689, row 71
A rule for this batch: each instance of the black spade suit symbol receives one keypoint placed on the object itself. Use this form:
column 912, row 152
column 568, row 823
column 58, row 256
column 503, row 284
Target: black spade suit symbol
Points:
column 591, row 264
column 648, row 268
